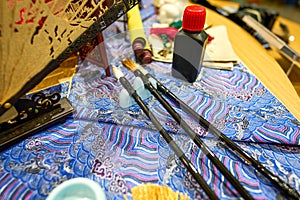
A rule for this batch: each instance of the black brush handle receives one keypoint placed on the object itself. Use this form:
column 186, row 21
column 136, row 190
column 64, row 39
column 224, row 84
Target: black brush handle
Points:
column 243, row 192
column 280, row 184
column 179, row 153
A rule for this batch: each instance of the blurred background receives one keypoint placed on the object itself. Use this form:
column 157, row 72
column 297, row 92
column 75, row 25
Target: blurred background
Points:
column 289, row 9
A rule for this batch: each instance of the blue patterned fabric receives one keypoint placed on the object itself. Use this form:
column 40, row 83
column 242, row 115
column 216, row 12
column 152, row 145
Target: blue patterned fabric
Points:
column 120, row 148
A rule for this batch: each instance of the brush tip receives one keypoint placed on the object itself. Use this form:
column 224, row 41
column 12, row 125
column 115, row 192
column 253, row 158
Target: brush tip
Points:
column 117, row 72
column 129, row 64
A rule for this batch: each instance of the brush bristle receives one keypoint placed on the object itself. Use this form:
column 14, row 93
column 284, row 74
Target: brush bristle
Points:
column 129, row 64
column 117, row 72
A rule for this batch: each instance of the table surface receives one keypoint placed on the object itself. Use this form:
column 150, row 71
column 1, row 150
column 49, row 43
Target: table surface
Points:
column 119, row 148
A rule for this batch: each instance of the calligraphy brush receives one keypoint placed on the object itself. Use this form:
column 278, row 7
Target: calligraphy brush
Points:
column 131, row 65
column 279, row 183
column 131, row 91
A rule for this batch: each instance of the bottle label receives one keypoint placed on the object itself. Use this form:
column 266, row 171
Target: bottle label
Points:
column 188, row 55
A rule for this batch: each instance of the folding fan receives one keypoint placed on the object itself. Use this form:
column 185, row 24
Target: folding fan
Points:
column 37, row 35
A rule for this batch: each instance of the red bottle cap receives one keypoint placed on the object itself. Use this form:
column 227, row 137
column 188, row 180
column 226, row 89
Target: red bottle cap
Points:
column 194, row 18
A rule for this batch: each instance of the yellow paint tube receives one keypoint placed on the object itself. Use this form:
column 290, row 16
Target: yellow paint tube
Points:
column 138, row 39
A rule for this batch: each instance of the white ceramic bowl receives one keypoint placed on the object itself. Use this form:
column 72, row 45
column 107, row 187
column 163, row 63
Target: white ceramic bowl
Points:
column 77, row 189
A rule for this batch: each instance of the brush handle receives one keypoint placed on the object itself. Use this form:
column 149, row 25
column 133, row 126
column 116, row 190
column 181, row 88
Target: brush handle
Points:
column 243, row 192
column 179, row 153
column 284, row 187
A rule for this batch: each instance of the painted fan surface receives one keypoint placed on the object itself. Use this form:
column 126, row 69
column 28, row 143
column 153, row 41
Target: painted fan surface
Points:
column 37, row 35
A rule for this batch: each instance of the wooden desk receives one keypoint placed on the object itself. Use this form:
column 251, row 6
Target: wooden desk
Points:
column 258, row 61
column 294, row 29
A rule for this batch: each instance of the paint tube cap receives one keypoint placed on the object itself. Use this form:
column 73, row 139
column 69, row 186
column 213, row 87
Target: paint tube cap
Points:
column 146, row 57
column 193, row 18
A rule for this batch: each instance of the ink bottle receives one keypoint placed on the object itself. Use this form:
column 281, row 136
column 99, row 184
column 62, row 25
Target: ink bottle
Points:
column 189, row 44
